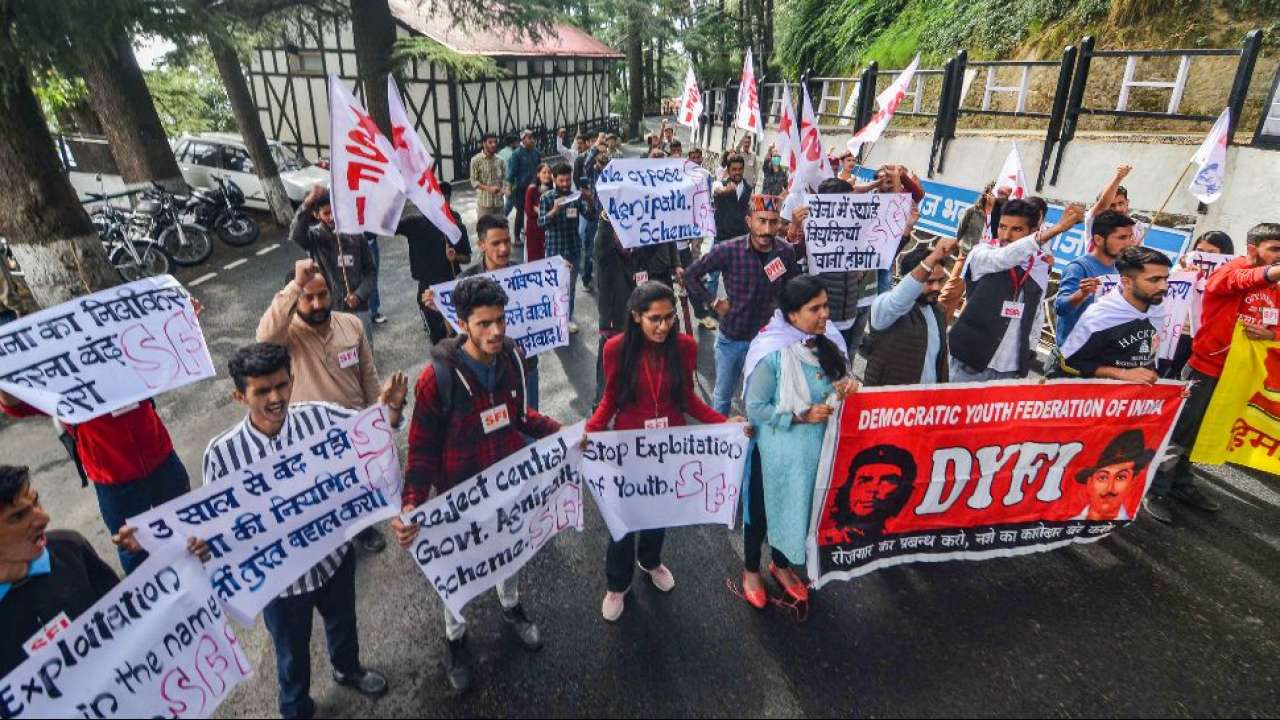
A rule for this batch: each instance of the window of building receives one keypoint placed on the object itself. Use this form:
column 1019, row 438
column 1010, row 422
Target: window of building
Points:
column 306, row 62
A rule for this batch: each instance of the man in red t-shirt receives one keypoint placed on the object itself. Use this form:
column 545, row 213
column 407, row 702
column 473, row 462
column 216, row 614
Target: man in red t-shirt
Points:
column 1246, row 289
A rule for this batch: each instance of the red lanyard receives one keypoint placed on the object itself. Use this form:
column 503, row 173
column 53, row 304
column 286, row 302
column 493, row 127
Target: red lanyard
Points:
column 1018, row 282
column 653, row 382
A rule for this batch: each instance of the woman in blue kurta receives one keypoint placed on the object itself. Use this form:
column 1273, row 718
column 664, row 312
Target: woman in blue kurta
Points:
column 796, row 371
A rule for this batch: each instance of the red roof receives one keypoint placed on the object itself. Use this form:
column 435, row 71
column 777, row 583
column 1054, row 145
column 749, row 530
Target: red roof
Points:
column 563, row 40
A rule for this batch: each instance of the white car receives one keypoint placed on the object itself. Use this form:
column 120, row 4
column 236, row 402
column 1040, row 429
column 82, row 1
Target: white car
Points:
column 223, row 154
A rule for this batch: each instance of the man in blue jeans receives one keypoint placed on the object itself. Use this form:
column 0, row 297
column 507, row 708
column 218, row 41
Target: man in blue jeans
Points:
column 753, row 268
column 375, row 300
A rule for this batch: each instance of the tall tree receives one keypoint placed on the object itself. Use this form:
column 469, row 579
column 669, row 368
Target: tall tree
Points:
column 374, row 31
column 635, row 67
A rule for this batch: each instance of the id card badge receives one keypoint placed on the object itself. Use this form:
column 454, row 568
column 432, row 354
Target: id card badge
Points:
column 641, row 277
column 346, row 261
column 655, row 424
column 571, row 213
column 1011, row 310
column 348, row 357
column 495, row 418
column 1270, row 316
column 775, row 269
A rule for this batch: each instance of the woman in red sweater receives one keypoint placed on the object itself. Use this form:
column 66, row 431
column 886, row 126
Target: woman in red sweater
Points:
column 536, row 240
column 649, row 383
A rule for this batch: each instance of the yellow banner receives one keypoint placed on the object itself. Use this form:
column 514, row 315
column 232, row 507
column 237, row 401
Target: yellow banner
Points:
column 1242, row 424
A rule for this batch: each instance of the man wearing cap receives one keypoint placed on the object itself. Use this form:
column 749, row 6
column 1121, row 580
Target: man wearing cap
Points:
column 1110, row 480
column 754, row 267
column 520, row 173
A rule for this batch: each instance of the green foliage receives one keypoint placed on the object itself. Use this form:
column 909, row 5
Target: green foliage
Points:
column 464, row 67
column 56, row 93
column 189, row 94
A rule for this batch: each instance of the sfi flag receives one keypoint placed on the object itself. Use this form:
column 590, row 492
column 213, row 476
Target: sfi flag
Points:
column 788, row 140
column 748, row 117
column 1242, row 424
column 418, row 168
column 889, row 100
column 690, row 112
column 1211, row 161
column 366, row 187
column 1012, row 176
column 812, row 166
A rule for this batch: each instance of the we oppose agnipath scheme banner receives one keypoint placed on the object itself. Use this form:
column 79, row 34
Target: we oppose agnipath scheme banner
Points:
column 948, row 472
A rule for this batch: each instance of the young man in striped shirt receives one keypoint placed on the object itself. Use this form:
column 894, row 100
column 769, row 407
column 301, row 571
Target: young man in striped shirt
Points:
column 264, row 384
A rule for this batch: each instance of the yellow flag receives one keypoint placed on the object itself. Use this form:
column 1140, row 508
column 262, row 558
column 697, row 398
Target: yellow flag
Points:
column 1242, row 424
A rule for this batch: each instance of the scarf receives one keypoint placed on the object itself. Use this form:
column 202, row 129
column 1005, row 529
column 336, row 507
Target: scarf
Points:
column 779, row 335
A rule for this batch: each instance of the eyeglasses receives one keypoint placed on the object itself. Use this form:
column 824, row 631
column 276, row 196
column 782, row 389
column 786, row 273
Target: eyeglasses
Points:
column 660, row 319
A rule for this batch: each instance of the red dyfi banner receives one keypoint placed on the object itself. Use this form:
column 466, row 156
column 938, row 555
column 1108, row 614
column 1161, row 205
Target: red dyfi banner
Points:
column 969, row 472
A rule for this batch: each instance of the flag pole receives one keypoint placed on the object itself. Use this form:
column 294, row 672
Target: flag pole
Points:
column 1155, row 219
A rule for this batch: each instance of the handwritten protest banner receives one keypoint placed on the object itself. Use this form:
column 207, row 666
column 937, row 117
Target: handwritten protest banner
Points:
column 1242, row 424
column 850, row 232
column 157, row 645
column 671, row 477
column 1205, row 263
column 537, row 303
column 656, row 201
column 104, row 351
column 286, row 513
column 487, row 528
column 1171, row 316
column 977, row 471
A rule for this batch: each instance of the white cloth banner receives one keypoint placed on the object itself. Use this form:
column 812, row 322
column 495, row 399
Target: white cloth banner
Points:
column 1211, row 161
column 366, row 188
column 812, row 166
column 889, row 100
column 105, row 351
column 417, row 168
column 670, row 477
column 691, row 107
column 656, row 201
column 849, row 232
column 484, row 530
column 157, row 645
column 1012, row 176
column 1204, row 263
column 537, row 303
column 268, row 528
column 748, row 115
column 1171, row 316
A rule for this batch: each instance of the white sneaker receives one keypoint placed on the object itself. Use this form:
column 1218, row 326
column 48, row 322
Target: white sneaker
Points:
column 612, row 606
column 662, row 578
column 573, row 328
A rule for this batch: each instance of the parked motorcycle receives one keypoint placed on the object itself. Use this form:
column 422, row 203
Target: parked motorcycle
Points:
column 221, row 210
column 134, row 257
column 156, row 216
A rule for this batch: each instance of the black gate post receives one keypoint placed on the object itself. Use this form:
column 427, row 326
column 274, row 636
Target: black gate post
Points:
column 1076, row 99
column 1060, row 92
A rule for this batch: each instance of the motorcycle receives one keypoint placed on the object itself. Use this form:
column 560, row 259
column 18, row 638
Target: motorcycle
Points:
column 157, row 217
column 133, row 257
column 220, row 209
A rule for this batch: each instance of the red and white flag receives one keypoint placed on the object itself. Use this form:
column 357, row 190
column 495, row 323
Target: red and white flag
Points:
column 889, row 100
column 418, row 168
column 366, row 187
column 1211, row 158
column 812, row 167
column 788, row 140
column 748, row 100
column 1012, row 176
column 690, row 112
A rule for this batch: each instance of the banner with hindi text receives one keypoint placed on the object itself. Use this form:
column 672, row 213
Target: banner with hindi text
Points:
column 537, row 303
column 848, row 232
column 975, row 471
column 1242, row 424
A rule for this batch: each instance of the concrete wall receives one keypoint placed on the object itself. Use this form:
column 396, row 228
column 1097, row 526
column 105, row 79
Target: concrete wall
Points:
column 1252, row 188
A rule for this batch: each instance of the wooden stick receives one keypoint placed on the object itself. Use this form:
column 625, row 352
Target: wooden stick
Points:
column 1155, row 219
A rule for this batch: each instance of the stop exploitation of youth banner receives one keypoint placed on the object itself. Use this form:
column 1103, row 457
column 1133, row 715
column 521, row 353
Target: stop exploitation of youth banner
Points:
column 970, row 472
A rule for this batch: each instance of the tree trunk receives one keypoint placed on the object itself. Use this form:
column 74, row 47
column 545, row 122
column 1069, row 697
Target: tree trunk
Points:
column 374, row 31
column 657, row 75
column 119, row 96
column 48, row 230
column 635, row 68
column 90, row 157
column 649, row 94
column 255, row 140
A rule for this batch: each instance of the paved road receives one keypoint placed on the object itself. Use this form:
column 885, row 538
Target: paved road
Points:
column 1155, row 620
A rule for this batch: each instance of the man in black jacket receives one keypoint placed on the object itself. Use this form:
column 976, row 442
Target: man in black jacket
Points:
column 344, row 259
column 433, row 259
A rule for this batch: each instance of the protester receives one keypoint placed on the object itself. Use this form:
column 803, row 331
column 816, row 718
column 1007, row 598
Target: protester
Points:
column 996, row 335
column 597, row 160
column 616, row 270
column 668, row 137
column 487, row 174
column 750, row 163
column 773, row 175
column 1080, row 279
column 1246, row 289
column 375, row 299
column 908, row 326
column 1116, row 338
column 331, row 360
column 522, row 170
column 1114, row 197
column 558, row 213
column 433, row 259
column 345, row 260
column 469, row 412
column 848, row 164
column 730, row 202
column 972, row 228
column 509, row 145
column 754, row 266
column 796, row 371
column 649, row 383
column 535, row 239
column 1210, row 241
column 264, row 380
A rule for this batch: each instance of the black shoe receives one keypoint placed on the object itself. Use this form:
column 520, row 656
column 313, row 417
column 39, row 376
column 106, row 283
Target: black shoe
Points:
column 1196, row 498
column 528, row 633
column 458, row 666
column 379, row 319
column 1157, row 506
column 586, row 285
column 371, row 541
column 366, row 682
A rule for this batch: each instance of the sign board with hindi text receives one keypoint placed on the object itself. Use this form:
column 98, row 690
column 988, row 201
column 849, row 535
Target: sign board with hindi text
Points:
column 105, row 351
column 668, row 477
column 847, row 232
column 537, row 303
column 652, row 201
column 1242, row 423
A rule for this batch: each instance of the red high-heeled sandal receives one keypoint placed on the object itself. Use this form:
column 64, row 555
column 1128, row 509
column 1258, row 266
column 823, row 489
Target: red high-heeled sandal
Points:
column 798, row 592
column 755, row 598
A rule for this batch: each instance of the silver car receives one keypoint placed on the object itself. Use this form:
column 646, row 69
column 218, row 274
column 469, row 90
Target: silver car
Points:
column 223, row 154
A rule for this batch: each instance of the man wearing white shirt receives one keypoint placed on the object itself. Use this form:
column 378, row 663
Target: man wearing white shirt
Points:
column 908, row 340
column 995, row 335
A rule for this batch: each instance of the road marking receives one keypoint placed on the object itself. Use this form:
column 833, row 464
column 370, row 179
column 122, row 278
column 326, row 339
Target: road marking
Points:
column 236, row 264
column 202, row 278
column 267, row 249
